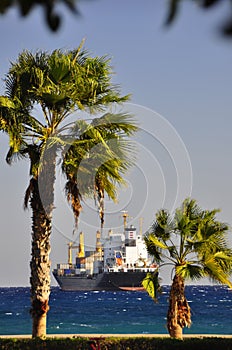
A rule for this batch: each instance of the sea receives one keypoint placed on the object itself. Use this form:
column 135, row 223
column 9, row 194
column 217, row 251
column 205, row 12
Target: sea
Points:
column 121, row 312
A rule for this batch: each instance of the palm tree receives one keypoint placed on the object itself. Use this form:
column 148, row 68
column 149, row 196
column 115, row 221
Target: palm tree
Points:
column 42, row 92
column 193, row 242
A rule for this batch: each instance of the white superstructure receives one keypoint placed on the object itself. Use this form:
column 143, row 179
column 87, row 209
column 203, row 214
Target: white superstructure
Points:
column 125, row 251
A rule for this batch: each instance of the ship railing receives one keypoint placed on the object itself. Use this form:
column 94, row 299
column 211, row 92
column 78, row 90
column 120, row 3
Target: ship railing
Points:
column 132, row 269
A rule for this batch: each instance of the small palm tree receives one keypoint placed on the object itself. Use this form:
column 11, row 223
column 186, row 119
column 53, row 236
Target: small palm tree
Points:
column 42, row 92
column 194, row 243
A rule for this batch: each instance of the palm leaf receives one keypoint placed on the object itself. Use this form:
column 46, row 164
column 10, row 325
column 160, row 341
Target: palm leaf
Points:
column 74, row 197
column 190, row 271
column 173, row 9
column 216, row 272
column 155, row 241
column 152, row 249
column 5, row 102
column 59, row 67
column 151, row 283
column 119, row 123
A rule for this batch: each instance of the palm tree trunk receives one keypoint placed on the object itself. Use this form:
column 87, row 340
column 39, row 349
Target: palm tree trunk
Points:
column 42, row 199
column 179, row 314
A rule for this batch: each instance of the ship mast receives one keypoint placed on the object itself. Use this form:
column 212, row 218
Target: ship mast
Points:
column 125, row 216
column 70, row 248
column 141, row 226
column 81, row 247
column 98, row 242
column 81, row 253
column 70, row 253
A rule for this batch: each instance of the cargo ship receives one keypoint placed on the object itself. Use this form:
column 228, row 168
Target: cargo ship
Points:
column 119, row 262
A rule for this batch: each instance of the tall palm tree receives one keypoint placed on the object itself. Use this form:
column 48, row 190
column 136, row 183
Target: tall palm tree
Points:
column 42, row 92
column 193, row 242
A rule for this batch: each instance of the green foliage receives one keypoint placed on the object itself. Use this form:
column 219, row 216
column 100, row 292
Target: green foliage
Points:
column 62, row 83
column 151, row 284
column 193, row 241
column 42, row 93
column 100, row 156
column 130, row 343
column 25, row 7
column 53, row 19
column 174, row 9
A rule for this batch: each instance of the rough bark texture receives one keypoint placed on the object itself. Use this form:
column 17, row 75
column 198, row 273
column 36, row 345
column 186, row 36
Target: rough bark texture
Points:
column 179, row 314
column 42, row 198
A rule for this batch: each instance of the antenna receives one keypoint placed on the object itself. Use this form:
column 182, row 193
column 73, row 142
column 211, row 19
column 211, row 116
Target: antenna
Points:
column 125, row 216
column 141, row 226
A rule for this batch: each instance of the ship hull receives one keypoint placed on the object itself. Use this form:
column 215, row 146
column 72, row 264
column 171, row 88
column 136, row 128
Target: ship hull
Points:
column 111, row 281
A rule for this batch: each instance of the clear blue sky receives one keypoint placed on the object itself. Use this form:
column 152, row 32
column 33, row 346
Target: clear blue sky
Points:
column 180, row 80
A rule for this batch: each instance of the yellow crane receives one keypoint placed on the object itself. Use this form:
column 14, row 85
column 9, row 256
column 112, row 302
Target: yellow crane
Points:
column 81, row 246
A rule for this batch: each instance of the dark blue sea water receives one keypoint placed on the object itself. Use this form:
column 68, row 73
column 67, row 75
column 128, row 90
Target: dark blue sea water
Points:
column 116, row 312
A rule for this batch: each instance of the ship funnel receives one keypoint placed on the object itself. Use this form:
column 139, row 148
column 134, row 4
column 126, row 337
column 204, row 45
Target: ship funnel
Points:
column 81, row 253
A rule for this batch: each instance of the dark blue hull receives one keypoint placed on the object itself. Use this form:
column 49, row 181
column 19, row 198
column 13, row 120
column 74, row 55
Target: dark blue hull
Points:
column 129, row 280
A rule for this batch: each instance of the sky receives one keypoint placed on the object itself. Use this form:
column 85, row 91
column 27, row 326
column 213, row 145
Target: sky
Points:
column 180, row 83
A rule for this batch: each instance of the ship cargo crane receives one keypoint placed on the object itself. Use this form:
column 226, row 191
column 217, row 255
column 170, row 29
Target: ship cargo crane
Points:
column 81, row 247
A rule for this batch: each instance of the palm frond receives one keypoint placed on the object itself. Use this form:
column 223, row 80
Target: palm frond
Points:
column 96, row 154
column 195, row 240
column 28, row 193
column 119, row 123
column 190, row 271
column 154, row 250
column 155, row 241
column 162, row 226
column 59, row 67
column 173, row 9
column 74, row 197
column 217, row 271
column 151, row 283
column 13, row 155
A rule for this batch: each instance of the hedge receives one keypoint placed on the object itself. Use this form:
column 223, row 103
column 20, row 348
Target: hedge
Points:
column 130, row 343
